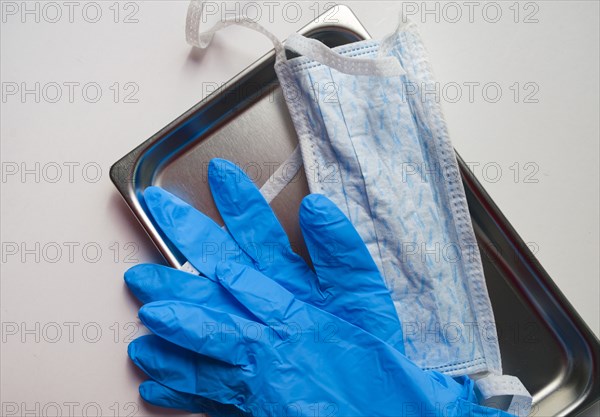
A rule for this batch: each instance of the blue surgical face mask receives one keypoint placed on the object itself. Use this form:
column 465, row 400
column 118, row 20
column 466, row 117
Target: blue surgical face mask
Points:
column 375, row 149
column 374, row 142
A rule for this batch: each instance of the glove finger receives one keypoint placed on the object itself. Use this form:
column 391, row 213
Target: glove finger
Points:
column 342, row 253
column 150, row 282
column 346, row 271
column 161, row 396
column 252, row 223
column 241, row 204
column 201, row 329
column 194, row 234
column 267, row 300
column 185, row 371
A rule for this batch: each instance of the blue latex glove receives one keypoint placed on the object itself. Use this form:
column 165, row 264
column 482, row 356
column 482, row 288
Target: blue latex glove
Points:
column 347, row 282
column 291, row 359
column 254, row 237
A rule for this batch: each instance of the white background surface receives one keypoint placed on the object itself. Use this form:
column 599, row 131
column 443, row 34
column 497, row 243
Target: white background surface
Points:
column 558, row 135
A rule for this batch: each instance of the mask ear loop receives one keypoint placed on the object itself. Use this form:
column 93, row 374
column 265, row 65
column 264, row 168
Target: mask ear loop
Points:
column 202, row 40
column 310, row 48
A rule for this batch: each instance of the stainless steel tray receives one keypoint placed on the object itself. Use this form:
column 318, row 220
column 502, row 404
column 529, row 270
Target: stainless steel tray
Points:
column 542, row 339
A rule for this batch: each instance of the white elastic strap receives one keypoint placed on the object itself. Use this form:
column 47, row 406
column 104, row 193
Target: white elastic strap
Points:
column 202, row 40
column 282, row 176
column 492, row 386
column 310, row 48
column 318, row 52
